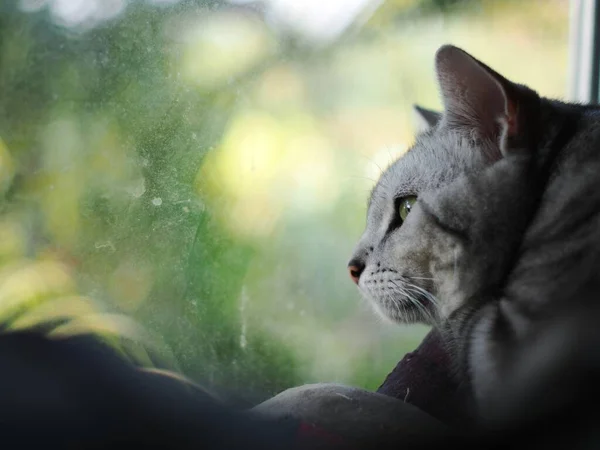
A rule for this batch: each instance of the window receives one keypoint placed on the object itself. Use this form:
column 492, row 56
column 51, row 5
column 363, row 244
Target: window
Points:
column 202, row 166
column 584, row 51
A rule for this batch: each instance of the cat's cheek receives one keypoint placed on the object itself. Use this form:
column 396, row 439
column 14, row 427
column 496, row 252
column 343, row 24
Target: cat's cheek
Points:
column 446, row 263
column 412, row 254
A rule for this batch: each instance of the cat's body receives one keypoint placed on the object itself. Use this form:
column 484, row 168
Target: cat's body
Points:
column 533, row 256
column 504, row 237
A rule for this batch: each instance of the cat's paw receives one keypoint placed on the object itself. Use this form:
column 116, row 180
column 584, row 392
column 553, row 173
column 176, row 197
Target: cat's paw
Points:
column 352, row 413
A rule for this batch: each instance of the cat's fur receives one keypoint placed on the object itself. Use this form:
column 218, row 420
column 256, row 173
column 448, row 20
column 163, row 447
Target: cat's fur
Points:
column 505, row 236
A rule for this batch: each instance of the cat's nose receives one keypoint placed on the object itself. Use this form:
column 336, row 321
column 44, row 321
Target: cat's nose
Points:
column 355, row 267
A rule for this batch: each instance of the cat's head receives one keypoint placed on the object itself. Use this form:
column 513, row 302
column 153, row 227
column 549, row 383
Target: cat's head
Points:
column 430, row 208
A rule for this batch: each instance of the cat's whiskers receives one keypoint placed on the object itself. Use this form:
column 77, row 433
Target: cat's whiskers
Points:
column 407, row 290
column 372, row 161
column 425, row 293
column 391, row 304
column 421, row 278
column 362, row 177
column 426, row 312
column 413, row 301
column 432, row 298
column 428, row 296
column 396, row 307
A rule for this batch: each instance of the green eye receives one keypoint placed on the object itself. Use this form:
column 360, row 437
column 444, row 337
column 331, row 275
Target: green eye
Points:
column 405, row 206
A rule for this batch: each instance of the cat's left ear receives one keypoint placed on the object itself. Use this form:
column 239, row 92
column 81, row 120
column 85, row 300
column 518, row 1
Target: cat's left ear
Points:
column 482, row 101
column 426, row 118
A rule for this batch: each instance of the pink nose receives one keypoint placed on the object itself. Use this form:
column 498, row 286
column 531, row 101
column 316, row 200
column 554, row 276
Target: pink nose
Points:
column 356, row 269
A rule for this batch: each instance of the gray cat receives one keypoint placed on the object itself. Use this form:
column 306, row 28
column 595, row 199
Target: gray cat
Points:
column 489, row 227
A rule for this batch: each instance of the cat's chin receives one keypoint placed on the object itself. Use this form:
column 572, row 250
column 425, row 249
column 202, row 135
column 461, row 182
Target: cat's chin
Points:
column 402, row 312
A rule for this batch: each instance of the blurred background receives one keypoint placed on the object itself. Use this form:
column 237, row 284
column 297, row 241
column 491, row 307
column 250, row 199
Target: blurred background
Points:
column 202, row 167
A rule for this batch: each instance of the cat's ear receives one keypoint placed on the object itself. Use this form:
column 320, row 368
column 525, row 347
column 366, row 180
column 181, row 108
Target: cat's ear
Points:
column 478, row 98
column 426, row 118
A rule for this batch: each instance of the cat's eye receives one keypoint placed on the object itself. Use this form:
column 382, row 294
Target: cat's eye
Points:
column 405, row 205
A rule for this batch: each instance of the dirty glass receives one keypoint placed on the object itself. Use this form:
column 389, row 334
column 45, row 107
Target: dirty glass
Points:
column 202, row 166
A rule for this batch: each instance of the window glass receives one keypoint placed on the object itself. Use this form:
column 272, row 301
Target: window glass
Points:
column 203, row 166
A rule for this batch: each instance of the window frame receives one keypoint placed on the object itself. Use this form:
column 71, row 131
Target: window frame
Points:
column 584, row 51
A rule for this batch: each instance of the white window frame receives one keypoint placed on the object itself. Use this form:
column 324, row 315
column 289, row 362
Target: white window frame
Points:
column 584, row 51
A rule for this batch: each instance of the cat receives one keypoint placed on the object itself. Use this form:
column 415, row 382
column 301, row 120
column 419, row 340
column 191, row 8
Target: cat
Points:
column 488, row 228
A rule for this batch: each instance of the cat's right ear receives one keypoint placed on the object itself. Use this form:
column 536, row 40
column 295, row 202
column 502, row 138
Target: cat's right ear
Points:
column 426, row 118
column 482, row 102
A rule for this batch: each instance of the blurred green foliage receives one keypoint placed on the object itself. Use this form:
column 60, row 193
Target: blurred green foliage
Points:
column 191, row 167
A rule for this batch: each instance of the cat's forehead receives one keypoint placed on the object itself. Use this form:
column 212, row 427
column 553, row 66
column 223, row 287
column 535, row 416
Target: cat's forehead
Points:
column 435, row 159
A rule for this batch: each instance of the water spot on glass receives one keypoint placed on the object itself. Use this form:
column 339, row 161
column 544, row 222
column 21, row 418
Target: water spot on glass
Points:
column 200, row 205
column 32, row 5
column 137, row 188
column 105, row 245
